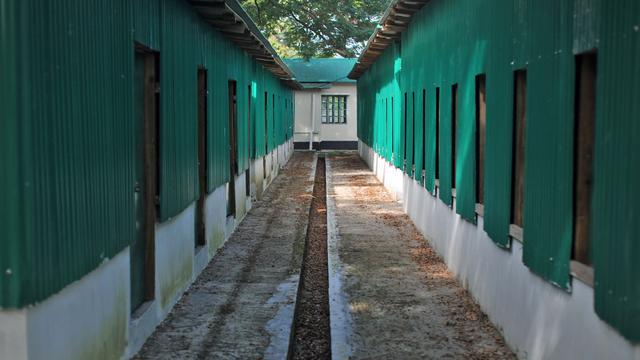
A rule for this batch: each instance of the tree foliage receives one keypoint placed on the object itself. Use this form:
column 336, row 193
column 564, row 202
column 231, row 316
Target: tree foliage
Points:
column 316, row 28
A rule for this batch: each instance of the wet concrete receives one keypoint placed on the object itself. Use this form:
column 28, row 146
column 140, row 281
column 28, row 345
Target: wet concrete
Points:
column 241, row 306
column 391, row 297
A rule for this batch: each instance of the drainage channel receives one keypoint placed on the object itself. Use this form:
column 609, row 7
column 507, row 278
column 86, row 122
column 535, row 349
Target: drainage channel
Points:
column 311, row 334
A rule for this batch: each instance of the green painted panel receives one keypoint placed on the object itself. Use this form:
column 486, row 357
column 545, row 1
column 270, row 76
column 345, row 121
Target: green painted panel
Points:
column 75, row 145
column 444, row 161
column 586, row 25
column 418, row 132
column 466, row 149
column 146, row 22
column 179, row 60
column 548, row 208
column 501, row 62
column 499, row 157
column 409, row 132
column 430, row 139
column 615, row 209
column 10, row 206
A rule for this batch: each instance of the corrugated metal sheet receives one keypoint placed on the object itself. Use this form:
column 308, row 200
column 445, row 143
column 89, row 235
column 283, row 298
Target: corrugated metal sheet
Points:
column 182, row 37
column 500, row 64
column 76, row 142
column 408, row 116
column 72, row 129
column 615, row 209
column 451, row 42
column 418, row 130
column 10, row 246
column 146, row 22
column 322, row 70
column 430, row 137
column 548, row 198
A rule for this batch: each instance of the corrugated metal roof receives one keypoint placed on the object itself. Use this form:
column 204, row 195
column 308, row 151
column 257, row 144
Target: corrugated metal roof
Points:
column 394, row 21
column 232, row 20
column 334, row 70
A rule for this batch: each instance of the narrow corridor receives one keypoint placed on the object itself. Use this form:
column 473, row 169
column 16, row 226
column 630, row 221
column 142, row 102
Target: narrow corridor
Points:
column 390, row 295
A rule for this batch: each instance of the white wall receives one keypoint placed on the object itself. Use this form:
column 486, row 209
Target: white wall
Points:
column 537, row 319
column 304, row 112
column 91, row 318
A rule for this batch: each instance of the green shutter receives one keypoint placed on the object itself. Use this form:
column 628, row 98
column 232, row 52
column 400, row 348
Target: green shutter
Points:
column 615, row 207
column 466, row 149
column 498, row 154
column 548, row 202
column 10, row 207
column 445, row 145
column 417, row 131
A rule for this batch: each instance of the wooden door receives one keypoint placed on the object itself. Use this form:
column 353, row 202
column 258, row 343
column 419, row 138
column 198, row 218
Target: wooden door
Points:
column 202, row 157
column 233, row 148
column 142, row 252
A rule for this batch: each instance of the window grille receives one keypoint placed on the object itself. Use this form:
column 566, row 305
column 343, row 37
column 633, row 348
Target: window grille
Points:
column 334, row 109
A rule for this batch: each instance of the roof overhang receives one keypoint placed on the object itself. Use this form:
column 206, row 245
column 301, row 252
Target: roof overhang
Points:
column 236, row 25
column 395, row 20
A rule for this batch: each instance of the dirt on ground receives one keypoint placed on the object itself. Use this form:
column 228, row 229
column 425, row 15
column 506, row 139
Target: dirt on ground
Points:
column 311, row 333
column 242, row 304
column 404, row 303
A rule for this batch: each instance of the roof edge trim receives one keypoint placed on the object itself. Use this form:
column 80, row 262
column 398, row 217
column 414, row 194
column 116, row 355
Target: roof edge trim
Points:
column 234, row 23
column 393, row 23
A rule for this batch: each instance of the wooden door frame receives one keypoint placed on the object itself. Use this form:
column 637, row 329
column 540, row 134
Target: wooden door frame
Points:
column 249, row 142
column 233, row 145
column 150, row 162
column 202, row 118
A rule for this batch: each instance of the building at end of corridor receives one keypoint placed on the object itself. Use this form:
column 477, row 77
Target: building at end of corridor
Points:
column 326, row 108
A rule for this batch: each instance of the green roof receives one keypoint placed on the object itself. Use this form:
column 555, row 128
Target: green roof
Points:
column 334, row 70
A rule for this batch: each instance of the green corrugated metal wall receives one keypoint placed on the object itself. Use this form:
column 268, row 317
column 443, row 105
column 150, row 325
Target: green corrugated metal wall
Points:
column 75, row 136
column 9, row 144
column 70, row 203
column 616, row 248
column 450, row 43
column 187, row 42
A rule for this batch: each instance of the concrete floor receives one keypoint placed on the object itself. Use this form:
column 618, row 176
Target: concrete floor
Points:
column 391, row 297
column 241, row 306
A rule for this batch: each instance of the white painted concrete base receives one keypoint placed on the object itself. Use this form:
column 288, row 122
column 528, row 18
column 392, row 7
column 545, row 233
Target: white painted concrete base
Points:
column 13, row 334
column 91, row 318
column 538, row 320
column 86, row 320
